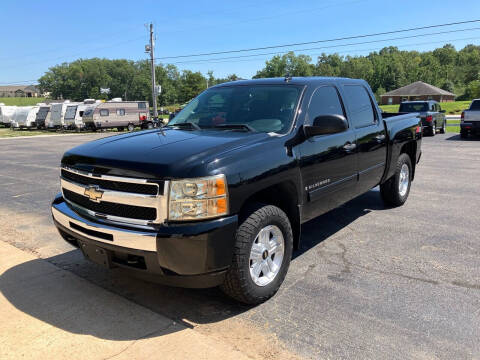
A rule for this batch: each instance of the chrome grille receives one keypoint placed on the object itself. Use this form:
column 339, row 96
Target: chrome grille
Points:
column 123, row 200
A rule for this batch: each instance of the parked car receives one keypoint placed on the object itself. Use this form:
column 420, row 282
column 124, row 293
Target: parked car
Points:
column 218, row 196
column 470, row 120
column 118, row 114
column 24, row 117
column 6, row 114
column 431, row 113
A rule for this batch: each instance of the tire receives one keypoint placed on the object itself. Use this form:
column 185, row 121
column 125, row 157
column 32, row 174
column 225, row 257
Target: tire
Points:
column 443, row 128
column 391, row 192
column 463, row 134
column 240, row 283
column 130, row 127
column 433, row 130
column 150, row 125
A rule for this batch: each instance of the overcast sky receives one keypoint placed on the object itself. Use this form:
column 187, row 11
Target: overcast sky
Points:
column 40, row 34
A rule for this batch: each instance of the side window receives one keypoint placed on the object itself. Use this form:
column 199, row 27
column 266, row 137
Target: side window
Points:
column 104, row 112
column 121, row 112
column 360, row 105
column 433, row 107
column 142, row 105
column 324, row 101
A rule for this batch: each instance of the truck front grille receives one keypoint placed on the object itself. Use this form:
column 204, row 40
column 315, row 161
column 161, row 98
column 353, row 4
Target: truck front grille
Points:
column 148, row 189
column 108, row 208
column 116, row 199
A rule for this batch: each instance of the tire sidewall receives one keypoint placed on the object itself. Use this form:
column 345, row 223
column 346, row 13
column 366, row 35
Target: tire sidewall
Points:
column 403, row 159
column 266, row 291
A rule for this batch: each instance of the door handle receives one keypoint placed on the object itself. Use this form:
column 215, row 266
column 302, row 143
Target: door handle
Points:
column 349, row 147
column 380, row 138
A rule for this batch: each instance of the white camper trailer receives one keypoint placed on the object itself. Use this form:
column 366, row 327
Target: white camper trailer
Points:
column 42, row 114
column 24, row 117
column 57, row 113
column 74, row 113
column 6, row 114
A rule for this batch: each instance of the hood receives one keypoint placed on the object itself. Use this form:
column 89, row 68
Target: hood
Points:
column 160, row 154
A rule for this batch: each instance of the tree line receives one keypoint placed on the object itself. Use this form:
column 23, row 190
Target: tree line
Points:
column 385, row 70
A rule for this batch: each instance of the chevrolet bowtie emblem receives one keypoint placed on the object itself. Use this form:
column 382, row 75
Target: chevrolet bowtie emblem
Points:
column 93, row 193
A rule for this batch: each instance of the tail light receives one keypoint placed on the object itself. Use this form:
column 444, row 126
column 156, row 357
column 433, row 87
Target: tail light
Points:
column 418, row 130
column 462, row 117
column 429, row 118
column 142, row 117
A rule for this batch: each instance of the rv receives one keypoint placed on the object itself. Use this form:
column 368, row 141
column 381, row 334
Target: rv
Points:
column 24, row 117
column 74, row 114
column 6, row 114
column 57, row 113
column 40, row 119
column 118, row 114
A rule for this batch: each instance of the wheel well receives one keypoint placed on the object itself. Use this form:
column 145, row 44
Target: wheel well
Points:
column 410, row 149
column 284, row 196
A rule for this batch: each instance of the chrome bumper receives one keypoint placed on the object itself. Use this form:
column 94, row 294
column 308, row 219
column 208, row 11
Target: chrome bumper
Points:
column 133, row 239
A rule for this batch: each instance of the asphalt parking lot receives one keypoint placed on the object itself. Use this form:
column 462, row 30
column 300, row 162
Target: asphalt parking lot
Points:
column 368, row 281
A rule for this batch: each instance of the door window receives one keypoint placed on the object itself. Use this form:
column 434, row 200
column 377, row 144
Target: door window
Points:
column 324, row 101
column 360, row 105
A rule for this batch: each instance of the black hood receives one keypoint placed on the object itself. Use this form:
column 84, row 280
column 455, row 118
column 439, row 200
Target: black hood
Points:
column 160, row 154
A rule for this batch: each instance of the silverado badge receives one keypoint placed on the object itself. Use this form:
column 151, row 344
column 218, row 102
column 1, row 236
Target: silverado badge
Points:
column 93, row 193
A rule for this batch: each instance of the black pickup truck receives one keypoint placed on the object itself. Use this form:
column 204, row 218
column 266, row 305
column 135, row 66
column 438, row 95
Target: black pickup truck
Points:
column 218, row 196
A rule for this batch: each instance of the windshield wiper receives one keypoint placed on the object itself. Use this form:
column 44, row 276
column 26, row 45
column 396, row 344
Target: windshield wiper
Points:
column 186, row 124
column 235, row 127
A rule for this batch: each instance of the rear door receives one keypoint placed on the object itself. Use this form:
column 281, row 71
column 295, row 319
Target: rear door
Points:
column 370, row 134
column 327, row 162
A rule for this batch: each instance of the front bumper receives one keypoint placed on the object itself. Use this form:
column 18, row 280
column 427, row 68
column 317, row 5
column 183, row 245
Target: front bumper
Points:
column 191, row 255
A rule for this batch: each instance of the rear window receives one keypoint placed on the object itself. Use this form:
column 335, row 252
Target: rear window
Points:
column 413, row 107
column 70, row 113
column 475, row 105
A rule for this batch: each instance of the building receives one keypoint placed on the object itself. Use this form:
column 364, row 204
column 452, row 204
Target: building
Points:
column 416, row 91
column 19, row 91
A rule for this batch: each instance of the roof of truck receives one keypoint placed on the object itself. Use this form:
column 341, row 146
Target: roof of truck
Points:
column 292, row 80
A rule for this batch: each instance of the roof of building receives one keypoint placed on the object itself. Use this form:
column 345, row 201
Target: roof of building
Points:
column 19, row 87
column 418, row 88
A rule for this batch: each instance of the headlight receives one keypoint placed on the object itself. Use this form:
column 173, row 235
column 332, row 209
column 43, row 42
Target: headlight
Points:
column 196, row 199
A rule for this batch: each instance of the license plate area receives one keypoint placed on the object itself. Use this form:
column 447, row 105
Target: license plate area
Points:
column 96, row 254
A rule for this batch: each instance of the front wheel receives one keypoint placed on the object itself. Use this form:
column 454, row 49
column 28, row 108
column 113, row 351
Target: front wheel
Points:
column 395, row 190
column 262, row 254
column 130, row 127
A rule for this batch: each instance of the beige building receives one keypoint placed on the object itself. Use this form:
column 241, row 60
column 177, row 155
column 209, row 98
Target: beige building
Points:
column 19, row 91
column 416, row 91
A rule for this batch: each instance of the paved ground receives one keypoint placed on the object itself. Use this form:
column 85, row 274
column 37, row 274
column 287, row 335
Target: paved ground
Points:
column 369, row 282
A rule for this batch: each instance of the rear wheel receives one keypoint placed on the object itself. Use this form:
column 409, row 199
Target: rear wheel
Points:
column 463, row 134
column 433, row 130
column 130, row 127
column 262, row 254
column 150, row 125
column 395, row 190
column 443, row 129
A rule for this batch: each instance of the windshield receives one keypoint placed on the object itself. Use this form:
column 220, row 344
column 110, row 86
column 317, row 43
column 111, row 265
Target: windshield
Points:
column 42, row 113
column 413, row 107
column 70, row 113
column 88, row 111
column 265, row 108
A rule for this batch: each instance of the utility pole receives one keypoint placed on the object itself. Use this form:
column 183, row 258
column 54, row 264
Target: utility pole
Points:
column 152, row 66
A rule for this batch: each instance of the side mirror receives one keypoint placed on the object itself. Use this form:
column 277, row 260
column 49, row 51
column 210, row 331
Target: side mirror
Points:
column 443, row 111
column 326, row 124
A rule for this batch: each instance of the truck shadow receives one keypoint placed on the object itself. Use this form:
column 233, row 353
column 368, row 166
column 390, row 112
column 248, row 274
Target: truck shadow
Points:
column 53, row 302
column 458, row 138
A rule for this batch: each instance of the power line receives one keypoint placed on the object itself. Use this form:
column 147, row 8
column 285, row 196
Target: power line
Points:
column 325, row 47
column 319, row 41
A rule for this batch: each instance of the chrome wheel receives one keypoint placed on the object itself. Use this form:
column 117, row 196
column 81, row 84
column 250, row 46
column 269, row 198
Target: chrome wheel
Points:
column 266, row 255
column 404, row 180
